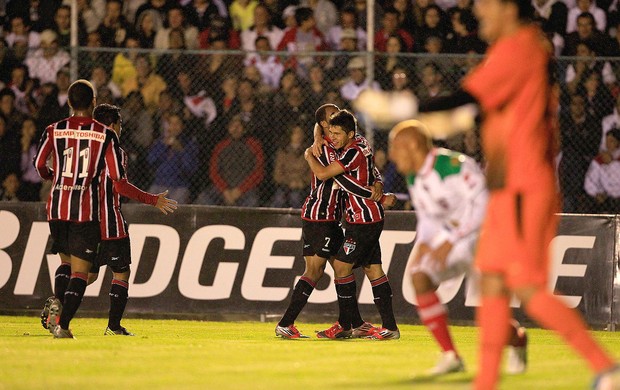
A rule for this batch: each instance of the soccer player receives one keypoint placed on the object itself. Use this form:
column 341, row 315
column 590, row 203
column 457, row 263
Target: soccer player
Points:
column 364, row 224
column 322, row 235
column 81, row 150
column 518, row 97
column 114, row 249
column 449, row 193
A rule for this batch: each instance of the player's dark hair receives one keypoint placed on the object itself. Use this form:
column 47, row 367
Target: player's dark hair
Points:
column 345, row 119
column 319, row 114
column 302, row 14
column 525, row 7
column 107, row 114
column 81, row 95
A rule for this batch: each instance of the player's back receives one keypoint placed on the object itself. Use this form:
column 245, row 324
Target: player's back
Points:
column 79, row 146
column 323, row 201
column 514, row 87
column 113, row 223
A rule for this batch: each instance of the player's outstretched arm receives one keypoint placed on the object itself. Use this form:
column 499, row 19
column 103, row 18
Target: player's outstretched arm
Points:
column 320, row 171
column 128, row 190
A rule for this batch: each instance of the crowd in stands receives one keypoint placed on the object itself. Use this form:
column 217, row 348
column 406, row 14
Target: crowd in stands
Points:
column 229, row 128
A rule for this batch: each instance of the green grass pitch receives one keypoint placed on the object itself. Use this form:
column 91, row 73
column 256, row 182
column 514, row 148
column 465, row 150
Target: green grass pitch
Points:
column 169, row 354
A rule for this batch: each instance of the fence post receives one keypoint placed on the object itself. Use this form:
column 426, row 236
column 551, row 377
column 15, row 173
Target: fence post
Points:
column 73, row 69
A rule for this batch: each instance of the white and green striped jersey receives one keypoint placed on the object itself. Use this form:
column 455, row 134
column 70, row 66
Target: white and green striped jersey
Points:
column 449, row 195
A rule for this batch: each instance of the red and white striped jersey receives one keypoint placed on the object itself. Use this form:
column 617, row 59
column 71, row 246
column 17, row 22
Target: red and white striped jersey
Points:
column 324, row 203
column 357, row 160
column 111, row 219
column 81, row 150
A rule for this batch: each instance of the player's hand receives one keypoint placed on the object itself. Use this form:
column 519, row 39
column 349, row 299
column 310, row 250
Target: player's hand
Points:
column 389, row 200
column 440, row 254
column 377, row 191
column 385, row 108
column 165, row 205
column 308, row 153
column 319, row 141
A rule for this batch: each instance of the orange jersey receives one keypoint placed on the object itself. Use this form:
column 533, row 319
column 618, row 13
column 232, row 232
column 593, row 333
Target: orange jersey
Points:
column 513, row 87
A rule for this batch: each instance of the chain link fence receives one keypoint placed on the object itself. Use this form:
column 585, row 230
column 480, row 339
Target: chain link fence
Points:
column 230, row 127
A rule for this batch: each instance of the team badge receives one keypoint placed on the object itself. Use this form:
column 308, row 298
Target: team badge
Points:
column 349, row 246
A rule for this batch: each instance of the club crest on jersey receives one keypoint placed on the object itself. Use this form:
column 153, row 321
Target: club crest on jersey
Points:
column 349, row 246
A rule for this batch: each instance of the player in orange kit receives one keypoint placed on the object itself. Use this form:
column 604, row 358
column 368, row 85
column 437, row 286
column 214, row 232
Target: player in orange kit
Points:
column 516, row 93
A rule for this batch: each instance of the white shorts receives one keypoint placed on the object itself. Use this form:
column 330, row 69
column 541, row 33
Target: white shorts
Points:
column 458, row 262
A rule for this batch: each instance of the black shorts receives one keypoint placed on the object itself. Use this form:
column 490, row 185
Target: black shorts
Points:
column 321, row 238
column 79, row 239
column 361, row 244
column 116, row 254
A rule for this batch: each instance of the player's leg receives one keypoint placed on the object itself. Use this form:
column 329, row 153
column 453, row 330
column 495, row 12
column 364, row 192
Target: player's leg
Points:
column 303, row 289
column 117, row 255
column 434, row 316
column 83, row 241
column 493, row 316
column 540, row 304
column 516, row 361
column 382, row 292
column 346, row 291
column 59, row 231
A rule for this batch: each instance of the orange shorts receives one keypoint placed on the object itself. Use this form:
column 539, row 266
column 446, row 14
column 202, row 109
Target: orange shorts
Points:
column 515, row 236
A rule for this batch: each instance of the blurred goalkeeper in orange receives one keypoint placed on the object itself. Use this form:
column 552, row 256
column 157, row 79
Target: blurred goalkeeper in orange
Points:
column 515, row 92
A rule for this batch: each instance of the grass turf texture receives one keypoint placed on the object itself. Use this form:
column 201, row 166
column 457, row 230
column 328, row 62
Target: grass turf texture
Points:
column 246, row 355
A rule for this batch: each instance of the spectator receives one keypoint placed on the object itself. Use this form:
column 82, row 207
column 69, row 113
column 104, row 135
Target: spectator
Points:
column 9, row 148
column 586, row 6
column 361, row 10
column 40, row 13
column 348, row 23
column 317, row 86
column 138, row 135
column 586, row 33
column 236, row 169
column 199, row 104
column 599, row 101
column 435, row 25
column 401, row 79
column 389, row 27
column 609, row 122
column 171, row 63
column 147, row 82
column 161, row 6
column 123, row 67
column 147, row 26
column 63, row 81
column 19, row 31
column 291, row 173
column 267, row 64
column 23, row 87
column 30, row 189
column 357, row 80
column 62, row 27
column 176, row 21
column 13, row 118
column 262, row 28
column 301, row 39
column 10, row 188
column 200, row 13
column 99, row 77
column 90, row 12
column 431, row 82
column 93, row 58
column 242, row 13
column 44, row 63
column 406, row 18
column 579, row 143
column 325, row 13
column 288, row 18
column 174, row 157
column 252, row 113
column 7, row 63
column 386, row 63
column 602, row 181
column 578, row 70
column 465, row 37
column 167, row 107
column 217, row 65
column 219, row 30
column 348, row 46
column 50, row 111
